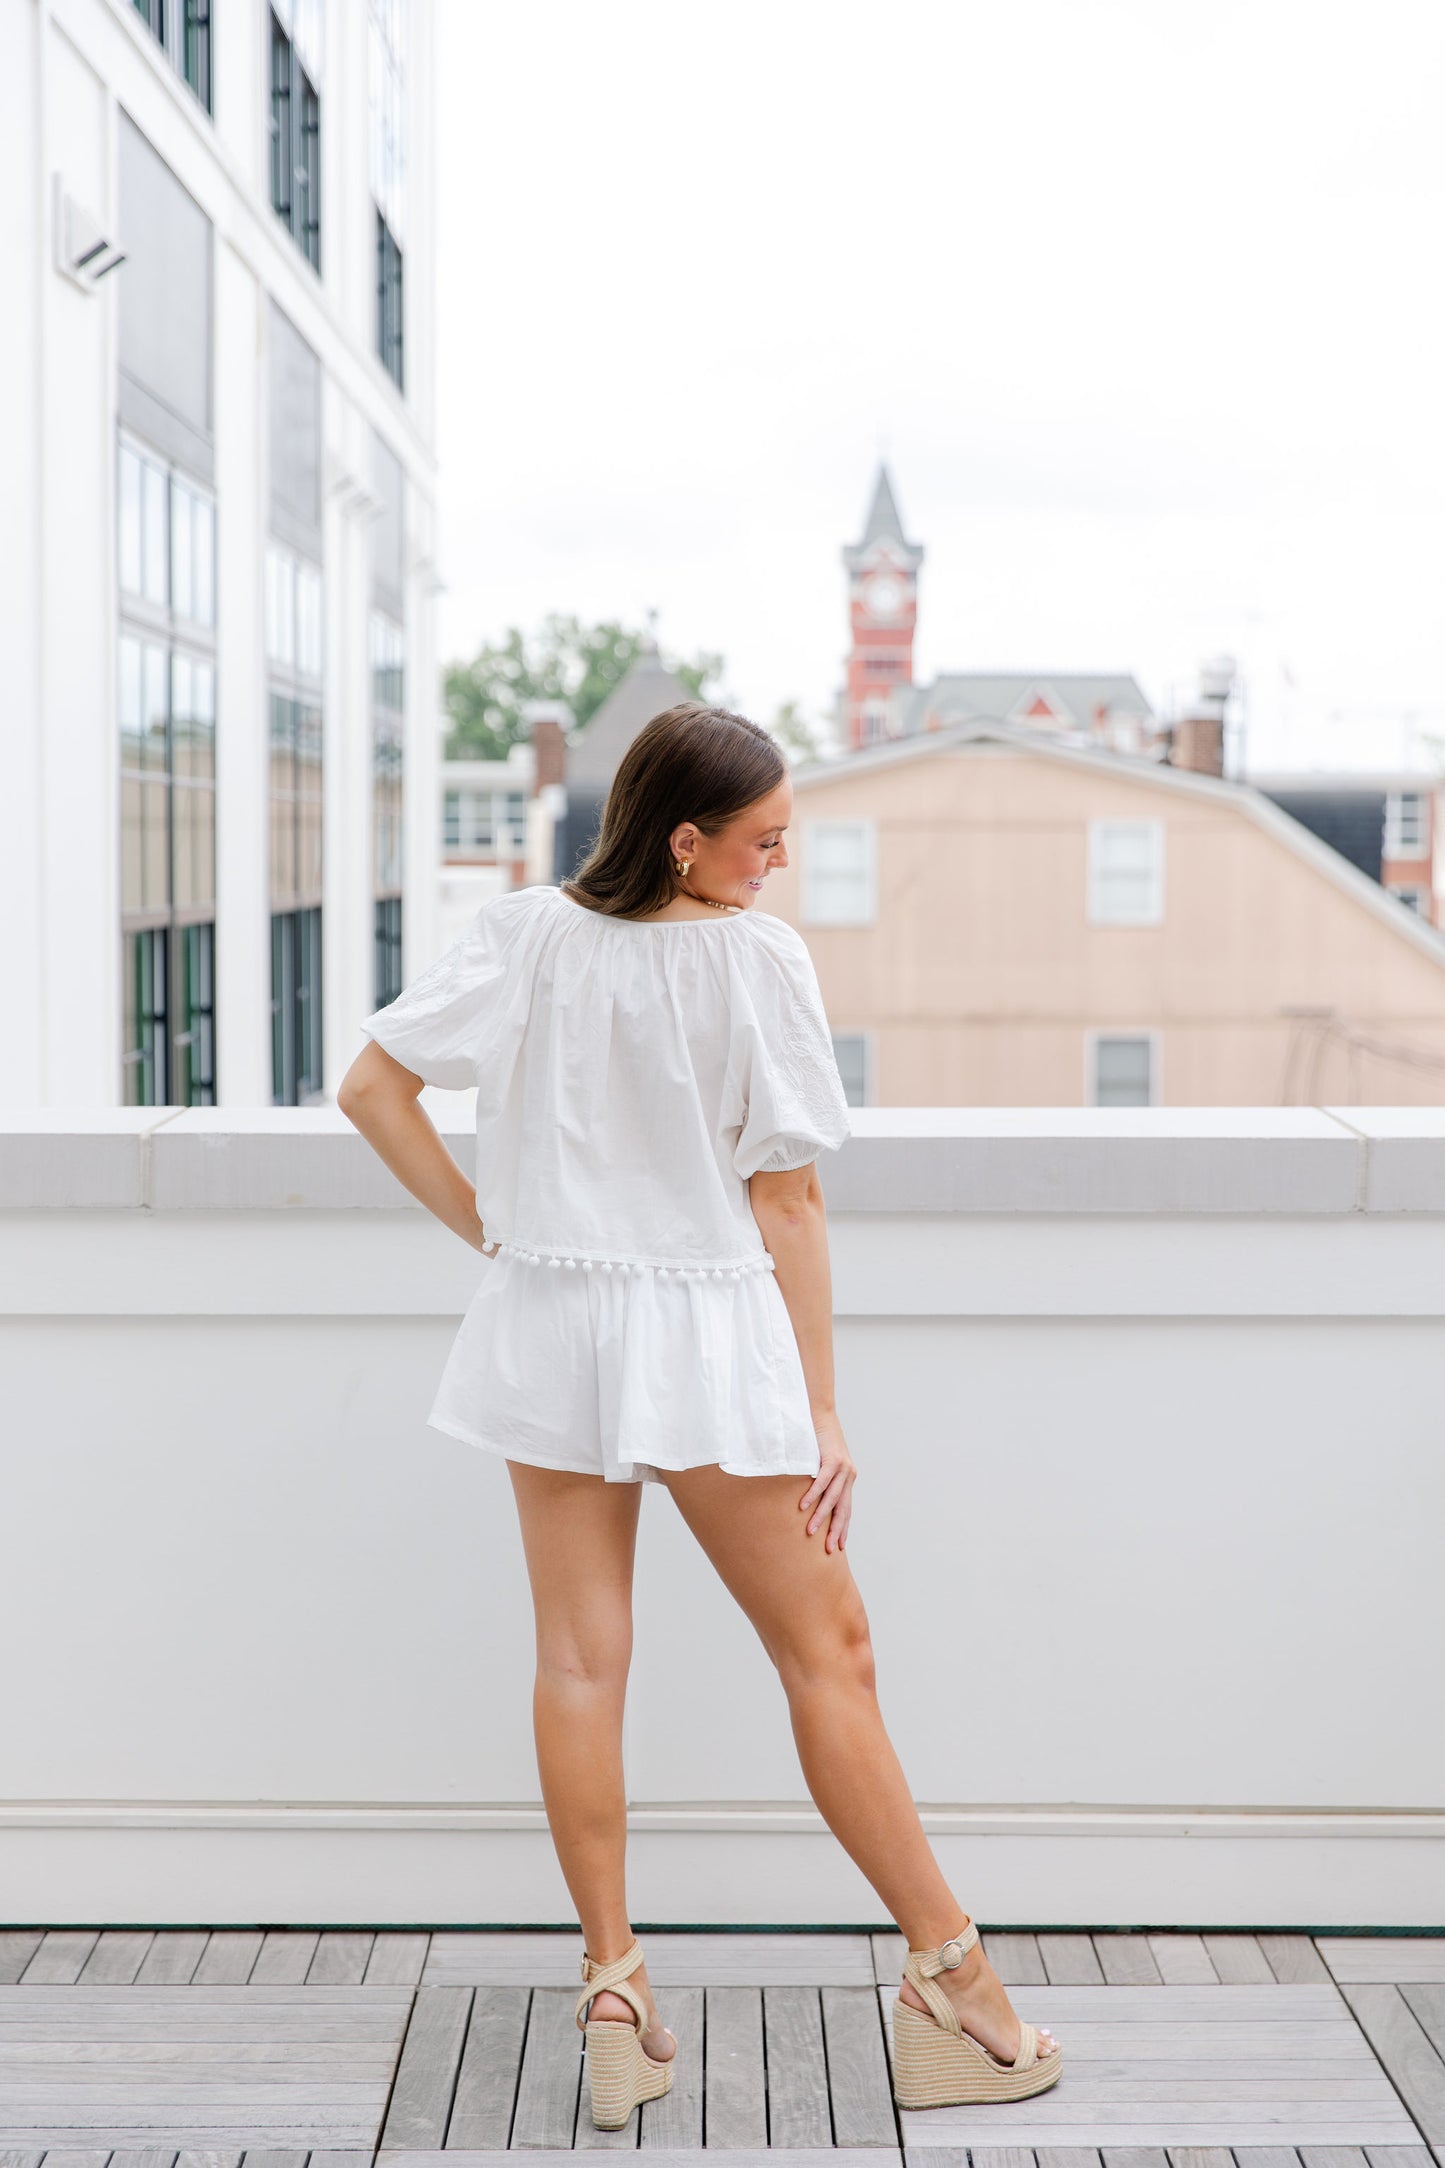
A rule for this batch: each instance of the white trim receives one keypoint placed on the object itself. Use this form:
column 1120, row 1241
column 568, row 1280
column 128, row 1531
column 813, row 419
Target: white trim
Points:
column 867, row 913
column 1093, row 1033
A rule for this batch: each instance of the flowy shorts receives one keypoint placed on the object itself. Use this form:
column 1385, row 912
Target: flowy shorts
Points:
column 611, row 1374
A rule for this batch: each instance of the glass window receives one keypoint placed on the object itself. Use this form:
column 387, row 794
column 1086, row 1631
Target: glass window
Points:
column 388, row 950
column 838, row 876
column 182, row 590
column 308, row 619
column 143, row 983
column 1123, row 1072
column 129, row 516
column 850, row 1051
column 296, row 135
column 1126, row 872
column 204, row 589
column 153, row 527
column 295, row 1006
column 196, row 68
column 389, row 307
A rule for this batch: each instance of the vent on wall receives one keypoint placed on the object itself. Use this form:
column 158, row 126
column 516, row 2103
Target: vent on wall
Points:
column 82, row 252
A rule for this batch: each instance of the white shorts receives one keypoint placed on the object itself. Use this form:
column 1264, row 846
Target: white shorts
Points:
column 613, row 1375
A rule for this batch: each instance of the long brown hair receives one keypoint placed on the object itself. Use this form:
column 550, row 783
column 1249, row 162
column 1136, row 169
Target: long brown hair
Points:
column 691, row 763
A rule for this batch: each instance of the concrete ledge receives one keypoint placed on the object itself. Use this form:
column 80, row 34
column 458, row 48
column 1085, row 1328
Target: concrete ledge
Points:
column 1150, row 1160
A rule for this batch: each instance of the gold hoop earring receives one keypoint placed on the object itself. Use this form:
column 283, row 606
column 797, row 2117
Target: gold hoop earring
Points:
column 682, row 865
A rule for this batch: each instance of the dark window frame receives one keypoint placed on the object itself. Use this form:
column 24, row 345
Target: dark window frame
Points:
column 295, row 146
column 390, row 303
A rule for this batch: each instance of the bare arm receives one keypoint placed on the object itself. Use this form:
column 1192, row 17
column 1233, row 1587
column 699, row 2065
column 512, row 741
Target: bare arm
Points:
column 379, row 1097
column 793, row 1219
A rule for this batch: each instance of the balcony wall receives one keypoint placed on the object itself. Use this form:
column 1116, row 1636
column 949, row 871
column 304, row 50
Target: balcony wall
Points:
column 1148, row 1407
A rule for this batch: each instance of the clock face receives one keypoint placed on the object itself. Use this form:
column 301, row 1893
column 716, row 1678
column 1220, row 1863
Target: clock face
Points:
column 886, row 596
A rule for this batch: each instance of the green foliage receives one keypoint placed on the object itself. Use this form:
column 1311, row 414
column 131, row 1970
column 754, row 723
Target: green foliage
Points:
column 566, row 660
column 798, row 736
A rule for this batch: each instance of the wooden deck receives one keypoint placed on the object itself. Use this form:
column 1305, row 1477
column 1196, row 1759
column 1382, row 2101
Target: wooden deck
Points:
column 299, row 2050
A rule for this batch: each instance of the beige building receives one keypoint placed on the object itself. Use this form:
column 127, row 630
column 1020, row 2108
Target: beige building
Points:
column 1002, row 918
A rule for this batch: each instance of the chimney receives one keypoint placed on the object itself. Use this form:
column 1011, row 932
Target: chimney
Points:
column 550, row 720
column 1197, row 740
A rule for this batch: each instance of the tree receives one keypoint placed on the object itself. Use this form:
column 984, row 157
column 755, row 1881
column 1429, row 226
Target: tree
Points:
column 566, row 660
column 797, row 734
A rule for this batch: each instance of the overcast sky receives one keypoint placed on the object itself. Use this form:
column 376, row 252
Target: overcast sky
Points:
column 1142, row 299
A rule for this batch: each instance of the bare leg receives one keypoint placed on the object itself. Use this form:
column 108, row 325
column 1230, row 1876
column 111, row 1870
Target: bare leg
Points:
column 810, row 1618
column 580, row 1537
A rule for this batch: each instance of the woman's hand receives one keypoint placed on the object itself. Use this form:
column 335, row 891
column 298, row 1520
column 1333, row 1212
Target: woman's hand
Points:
column 828, row 1500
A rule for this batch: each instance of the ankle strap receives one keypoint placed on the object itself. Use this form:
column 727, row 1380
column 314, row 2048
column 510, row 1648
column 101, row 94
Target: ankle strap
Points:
column 921, row 1968
column 614, row 1977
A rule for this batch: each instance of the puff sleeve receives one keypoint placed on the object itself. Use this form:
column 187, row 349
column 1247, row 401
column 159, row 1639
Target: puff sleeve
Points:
column 442, row 1024
column 795, row 1102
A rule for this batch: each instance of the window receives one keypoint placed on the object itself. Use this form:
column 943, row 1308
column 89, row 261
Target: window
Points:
column 1125, row 872
column 1405, row 824
column 294, row 666
column 387, row 722
column 1414, row 899
column 388, row 949
column 295, row 144
column 1123, row 1071
column 167, row 711
column 182, row 28
column 389, row 303
column 838, row 873
column 852, row 1052
column 877, row 722
column 490, row 822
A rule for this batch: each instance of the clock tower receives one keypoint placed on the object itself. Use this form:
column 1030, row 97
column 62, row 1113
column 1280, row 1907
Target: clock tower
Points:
column 882, row 611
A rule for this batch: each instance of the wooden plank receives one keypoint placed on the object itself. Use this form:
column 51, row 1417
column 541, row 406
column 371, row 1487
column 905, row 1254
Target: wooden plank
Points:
column 1393, row 2156
column 17, row 1946
column 1400, row 2041
column 1070, row 2156
column 1002, row 2156
column 798, row 2113
column 859, row 2084
column 1267, row 2156
column 746, row 2157
column 1183, row 1960
column 78, row 2157
column 1294, row 1957
column 1238, row 1958
column 735, row 2107
column 16, row 2156
column 1126, row 1960
column 481, row 2118
column 116, row 1959
column 273, row 2157
column 286, row 1955
column 1069, row 1960
column 1333, row 2156
column 172, row 1958
column 431, row 2054
column 228, row 1958
column 1211, row 2156
column 58, row 1961
column 397, row 1960
column 674, row 2123
column 1015, row 1958
column 546, row 2113
column 340, row 1960
column 207, row 2157
column 673, row 1960
column 1428, row 2004
column 889, row 1951
column 1384, row 1957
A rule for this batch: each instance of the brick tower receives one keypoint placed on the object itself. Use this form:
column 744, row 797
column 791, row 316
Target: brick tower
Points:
column 882, row 611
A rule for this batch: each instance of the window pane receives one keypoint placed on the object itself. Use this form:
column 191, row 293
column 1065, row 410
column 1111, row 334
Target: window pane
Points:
column 129, row 515
column 132, row 894
column 203, row 719
column 155, row 875
column 181, row 582
column 1122, row 1072
column 308, row 620
column 130, row 703
column 182, row 853
column 181, row 673
column 153, row 519
column 204, row 591
column 204, row 843
column 155, row 710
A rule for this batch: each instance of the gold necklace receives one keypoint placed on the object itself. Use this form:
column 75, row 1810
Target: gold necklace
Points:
column 682, row 866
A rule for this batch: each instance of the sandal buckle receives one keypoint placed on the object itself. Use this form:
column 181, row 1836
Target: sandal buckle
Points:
column 951, row 1964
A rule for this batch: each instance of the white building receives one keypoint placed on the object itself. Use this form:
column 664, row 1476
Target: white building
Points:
column 218, row 541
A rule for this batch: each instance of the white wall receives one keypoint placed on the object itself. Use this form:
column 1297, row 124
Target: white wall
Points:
column 1147, row 1408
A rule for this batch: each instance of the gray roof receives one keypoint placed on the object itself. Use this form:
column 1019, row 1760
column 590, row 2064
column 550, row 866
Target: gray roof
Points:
column 979, row 696
column 883, row 525
column 594, row 751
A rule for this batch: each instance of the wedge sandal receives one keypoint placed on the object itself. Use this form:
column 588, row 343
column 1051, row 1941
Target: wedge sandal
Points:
column 620, row 2072
column 936, row 2064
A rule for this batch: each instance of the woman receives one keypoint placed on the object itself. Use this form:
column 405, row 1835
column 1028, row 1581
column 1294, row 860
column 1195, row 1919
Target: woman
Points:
column 655, row 1080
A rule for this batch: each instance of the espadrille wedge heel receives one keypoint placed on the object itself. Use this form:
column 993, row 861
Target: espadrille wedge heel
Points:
column 936, row 2064
column 620, row 2072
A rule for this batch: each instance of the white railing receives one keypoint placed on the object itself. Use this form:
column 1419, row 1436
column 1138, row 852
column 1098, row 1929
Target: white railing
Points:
column 1150, row 1413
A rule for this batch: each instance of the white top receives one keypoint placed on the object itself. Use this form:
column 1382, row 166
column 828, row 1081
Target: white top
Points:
column 631, row 1075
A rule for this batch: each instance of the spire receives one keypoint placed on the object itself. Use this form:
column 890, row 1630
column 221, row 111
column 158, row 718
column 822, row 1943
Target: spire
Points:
column 884, row 528
column 883, row 520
